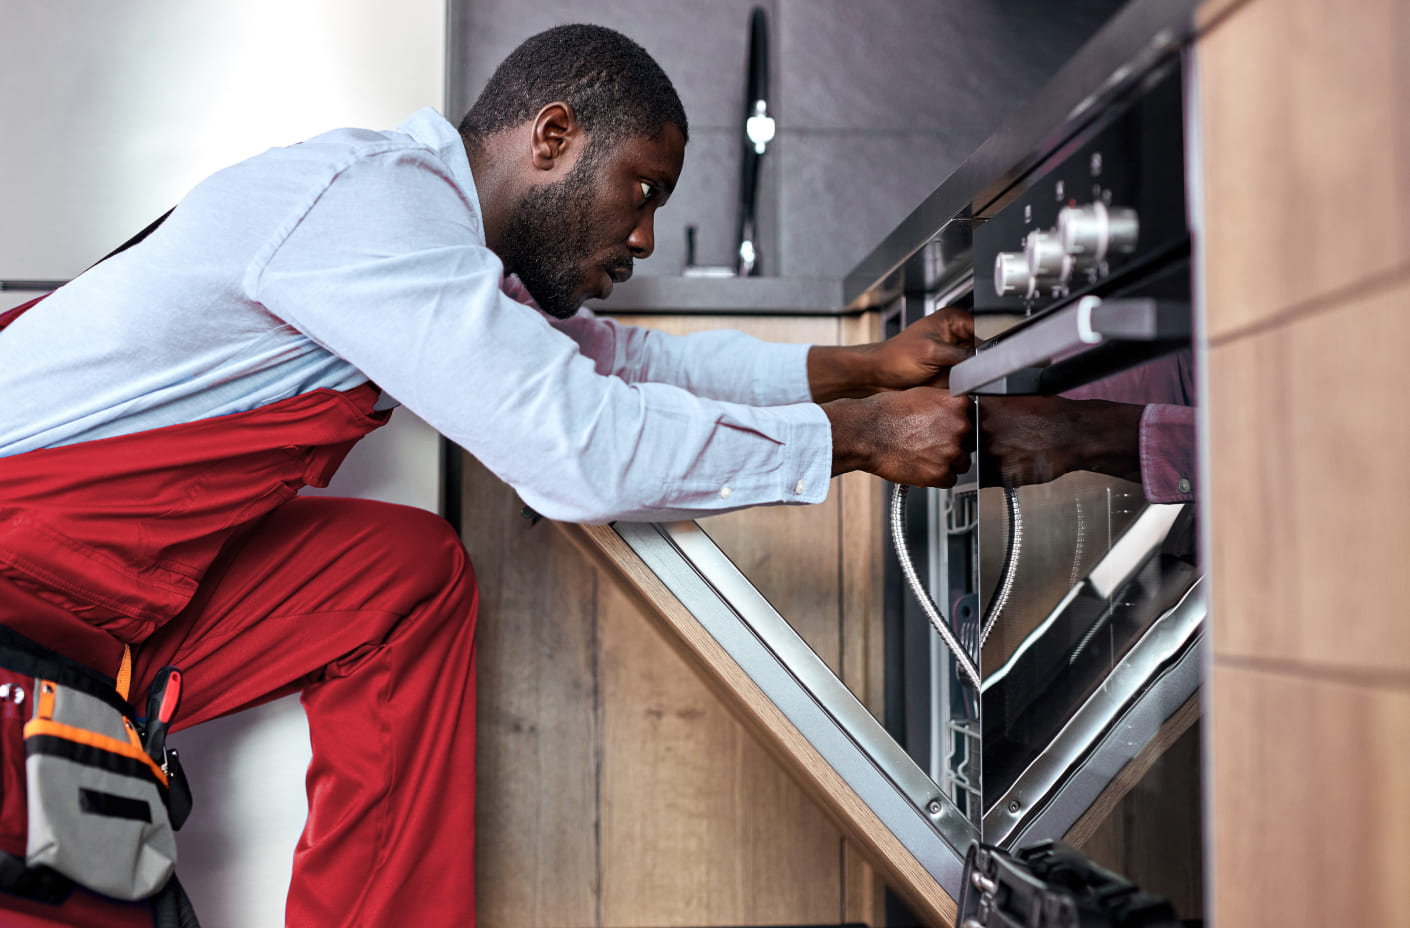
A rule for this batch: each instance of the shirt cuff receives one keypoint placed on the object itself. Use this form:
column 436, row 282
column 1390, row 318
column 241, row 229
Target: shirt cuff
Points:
column 1168, row 453
column 809, row 456
column 802, row 473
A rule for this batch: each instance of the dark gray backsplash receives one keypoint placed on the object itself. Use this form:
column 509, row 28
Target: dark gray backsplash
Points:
column 877, row 101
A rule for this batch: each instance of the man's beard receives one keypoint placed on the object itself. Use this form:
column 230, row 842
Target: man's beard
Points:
column 549, row 239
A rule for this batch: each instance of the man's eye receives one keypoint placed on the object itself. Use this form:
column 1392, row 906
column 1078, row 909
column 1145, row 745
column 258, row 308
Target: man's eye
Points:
column 646, row 190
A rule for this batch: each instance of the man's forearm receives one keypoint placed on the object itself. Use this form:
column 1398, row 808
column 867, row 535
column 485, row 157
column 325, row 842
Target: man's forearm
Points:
column 836, row 372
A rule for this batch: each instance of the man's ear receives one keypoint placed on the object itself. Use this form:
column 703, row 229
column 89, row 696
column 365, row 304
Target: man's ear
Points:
column 555, row 138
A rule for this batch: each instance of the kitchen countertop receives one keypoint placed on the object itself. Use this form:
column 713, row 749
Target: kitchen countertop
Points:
column 725, row 295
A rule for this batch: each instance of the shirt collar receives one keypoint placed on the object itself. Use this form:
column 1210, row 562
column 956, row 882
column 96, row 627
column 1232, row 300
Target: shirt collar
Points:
column 434, row 131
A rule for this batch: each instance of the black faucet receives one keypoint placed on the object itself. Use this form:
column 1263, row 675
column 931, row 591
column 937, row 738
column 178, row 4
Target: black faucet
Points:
column 758, row 132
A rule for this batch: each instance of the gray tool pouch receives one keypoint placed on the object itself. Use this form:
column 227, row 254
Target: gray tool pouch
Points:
column 96, row 801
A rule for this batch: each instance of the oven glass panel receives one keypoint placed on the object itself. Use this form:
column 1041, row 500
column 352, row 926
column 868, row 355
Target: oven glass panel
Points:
column 1096, row 591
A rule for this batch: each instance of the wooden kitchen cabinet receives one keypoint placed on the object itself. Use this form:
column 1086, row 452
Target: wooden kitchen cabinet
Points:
column 1306, row 164
column 614, row 786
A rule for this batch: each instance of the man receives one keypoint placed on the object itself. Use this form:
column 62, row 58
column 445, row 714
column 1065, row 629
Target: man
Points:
column 166, row 406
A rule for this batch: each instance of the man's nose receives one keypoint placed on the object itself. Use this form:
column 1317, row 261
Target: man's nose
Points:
column 642, row 241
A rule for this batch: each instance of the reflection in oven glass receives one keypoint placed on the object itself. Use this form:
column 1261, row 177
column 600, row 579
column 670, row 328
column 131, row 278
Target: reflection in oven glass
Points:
column 1098, row 558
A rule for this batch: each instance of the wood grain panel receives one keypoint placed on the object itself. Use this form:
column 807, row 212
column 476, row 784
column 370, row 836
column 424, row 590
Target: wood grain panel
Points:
column 1306, row 156
column 927, row 898
column 536, row 858
column 700, row 826
column 1311, row 523
column 1310, row 813
column 818, row 565
column 671, row 812
column 863, row 629
column 863, row 539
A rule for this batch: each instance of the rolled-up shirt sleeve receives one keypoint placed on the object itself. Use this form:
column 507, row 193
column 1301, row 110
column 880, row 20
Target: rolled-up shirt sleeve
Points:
column 1168, row 453
column 414, row 301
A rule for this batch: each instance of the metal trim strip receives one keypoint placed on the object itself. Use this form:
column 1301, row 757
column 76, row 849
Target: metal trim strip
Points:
column 808, row 694
column 1127, row 685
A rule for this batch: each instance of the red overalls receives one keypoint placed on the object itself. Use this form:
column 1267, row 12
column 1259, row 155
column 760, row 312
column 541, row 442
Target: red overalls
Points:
column 187, row 543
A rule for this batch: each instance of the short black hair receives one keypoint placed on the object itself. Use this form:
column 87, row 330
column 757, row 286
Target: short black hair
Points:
column 617, row 90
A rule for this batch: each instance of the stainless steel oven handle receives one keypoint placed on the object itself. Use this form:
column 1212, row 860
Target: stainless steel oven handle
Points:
column 1011, row 363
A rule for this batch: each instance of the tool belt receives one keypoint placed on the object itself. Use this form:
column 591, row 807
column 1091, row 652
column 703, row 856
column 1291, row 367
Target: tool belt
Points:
column 103, row 794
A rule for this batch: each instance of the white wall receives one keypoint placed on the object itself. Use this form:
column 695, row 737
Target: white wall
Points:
column 109, row 112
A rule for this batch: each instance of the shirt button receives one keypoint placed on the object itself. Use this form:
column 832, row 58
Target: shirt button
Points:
column 799, row 488
column 1184, row 485
column 725, row 492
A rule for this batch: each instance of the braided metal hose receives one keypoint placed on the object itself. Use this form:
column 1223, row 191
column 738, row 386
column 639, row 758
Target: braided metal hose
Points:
column 927, row 603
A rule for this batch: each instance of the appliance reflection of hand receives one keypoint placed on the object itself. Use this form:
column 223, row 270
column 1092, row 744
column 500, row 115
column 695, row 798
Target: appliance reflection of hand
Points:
column 1034, row 439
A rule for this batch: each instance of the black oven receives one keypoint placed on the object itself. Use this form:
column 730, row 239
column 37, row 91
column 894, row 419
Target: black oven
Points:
column 1073, row 583
column 1045, row 681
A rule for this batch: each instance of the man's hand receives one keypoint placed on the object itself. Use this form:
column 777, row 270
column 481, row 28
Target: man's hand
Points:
column 1034, row 439
column 921, row 355
column 915, row 437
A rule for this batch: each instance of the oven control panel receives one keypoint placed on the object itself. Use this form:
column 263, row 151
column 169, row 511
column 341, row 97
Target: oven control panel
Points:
column 1104, row 209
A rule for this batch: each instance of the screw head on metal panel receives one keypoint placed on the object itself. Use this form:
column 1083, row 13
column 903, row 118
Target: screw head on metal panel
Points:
column 1015, row 805
column 935, row 807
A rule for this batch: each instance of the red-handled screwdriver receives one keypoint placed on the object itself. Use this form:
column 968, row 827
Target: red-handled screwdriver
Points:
column 162, row 700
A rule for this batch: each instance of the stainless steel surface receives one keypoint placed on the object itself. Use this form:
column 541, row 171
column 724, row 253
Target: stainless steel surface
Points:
column 1170, row 636
column 1133, row 548
column 1089, row 233
column 1126, row 738
column 1047, row 262
column 800, row 684
column 1011, row 273
column 1142, row 31
column 1126, row 556
column 1086, row 324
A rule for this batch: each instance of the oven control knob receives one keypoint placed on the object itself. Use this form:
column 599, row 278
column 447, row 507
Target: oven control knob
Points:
column 1048, row 264
column 1124, row 230
column 1092, row 233
column 1010, row 273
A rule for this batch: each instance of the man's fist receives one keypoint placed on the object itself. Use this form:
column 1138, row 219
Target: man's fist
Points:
column 915, row 437
column 921, row 355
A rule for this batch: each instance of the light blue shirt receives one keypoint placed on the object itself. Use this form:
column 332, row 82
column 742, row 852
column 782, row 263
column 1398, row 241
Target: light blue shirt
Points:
column 361, row 255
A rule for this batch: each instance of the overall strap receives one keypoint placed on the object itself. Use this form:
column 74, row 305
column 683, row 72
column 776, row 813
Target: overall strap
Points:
column 10, row 315
column 124, row 677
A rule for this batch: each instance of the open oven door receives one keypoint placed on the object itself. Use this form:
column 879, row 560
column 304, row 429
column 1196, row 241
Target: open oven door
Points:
column 809, row 720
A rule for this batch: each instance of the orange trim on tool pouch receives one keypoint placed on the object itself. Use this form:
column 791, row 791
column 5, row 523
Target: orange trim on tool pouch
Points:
column 93, row 739
column 45, row 708
column 124, row 677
